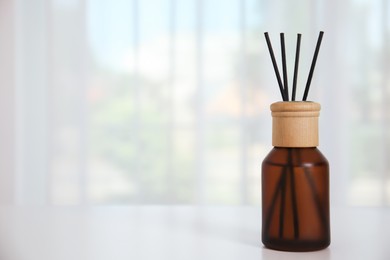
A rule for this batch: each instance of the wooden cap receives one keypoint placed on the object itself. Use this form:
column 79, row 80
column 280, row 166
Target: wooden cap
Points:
column 295, row 124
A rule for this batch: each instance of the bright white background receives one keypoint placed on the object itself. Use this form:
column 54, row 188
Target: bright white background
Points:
column 167, row 101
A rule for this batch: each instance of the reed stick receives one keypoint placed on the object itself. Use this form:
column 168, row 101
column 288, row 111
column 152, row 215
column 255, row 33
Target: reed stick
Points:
column 271, row 209
column 313, row 64
column 282, row 204
column 275, row 65
column 293, row 193
column 284, row 66
column 314, row 192
column 297, row 51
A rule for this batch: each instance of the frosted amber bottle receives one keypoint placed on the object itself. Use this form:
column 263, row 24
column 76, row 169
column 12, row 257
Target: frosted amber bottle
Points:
column 295, row 182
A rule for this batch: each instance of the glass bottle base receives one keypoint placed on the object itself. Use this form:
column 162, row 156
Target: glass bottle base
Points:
column 295, row 245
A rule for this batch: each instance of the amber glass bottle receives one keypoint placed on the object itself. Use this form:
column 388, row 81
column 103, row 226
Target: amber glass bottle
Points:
column 295, row 181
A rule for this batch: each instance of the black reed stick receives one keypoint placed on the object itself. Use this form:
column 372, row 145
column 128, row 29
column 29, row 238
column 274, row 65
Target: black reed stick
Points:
column 293, row 193
column 271, row 209
column 271, row 52
column 294, row 88
column 313, row 64
column 284, row 66
column 314, row 192
column 282, row 204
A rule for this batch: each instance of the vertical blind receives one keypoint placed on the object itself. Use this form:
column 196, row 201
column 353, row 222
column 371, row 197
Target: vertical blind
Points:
column 149, row 102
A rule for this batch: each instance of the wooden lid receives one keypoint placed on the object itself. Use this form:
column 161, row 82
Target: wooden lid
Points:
column 295, row 124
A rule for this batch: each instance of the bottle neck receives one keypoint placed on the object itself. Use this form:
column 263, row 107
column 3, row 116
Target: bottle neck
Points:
column 295, row 124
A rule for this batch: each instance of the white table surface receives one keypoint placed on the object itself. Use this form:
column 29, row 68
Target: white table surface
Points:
column 175, row 232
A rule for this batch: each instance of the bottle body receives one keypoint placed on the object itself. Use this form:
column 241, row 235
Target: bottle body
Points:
column 295, row 199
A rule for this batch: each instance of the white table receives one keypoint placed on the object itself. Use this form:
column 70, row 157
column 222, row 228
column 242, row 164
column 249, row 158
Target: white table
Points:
column 175, row 232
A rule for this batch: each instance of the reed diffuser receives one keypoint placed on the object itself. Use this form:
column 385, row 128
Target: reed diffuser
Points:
column 295, row 174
